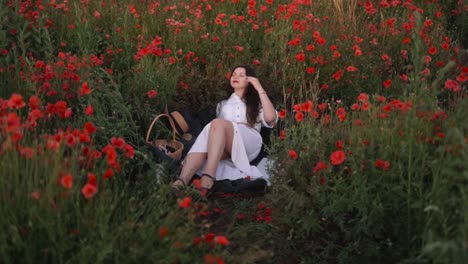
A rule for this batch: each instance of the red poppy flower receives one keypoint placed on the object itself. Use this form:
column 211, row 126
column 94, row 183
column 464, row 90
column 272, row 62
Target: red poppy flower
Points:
column 184, row 203
column 222, row 240
column 196, row 241
column 108, row 173
column 209, row 237
column 34, row 102
column 319, row 166
column 118, row 142
column 84, row 90
column 307, row 106
column 387, row 83
column 152, row 93
column 211, row 259
column 337, row 157
column 282, row 135
column 89, row 110
column 322, row 106
column 89, row 191
column 197, row 184
column 339, row 144
column 337, row 75
column 70, row 140
column 67, row 181
column 35, row 195
column 299, row 116
column 89, row 127
column 163, row 232
column 382, row 164
column 310, row 70
column 293, row 154
column 92, row 179
column 129, row 151
column 282, row 114
column 16, row 101
column 300, row 57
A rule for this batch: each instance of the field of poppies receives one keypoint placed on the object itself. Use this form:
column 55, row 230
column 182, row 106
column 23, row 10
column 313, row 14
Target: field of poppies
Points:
column 369, row 155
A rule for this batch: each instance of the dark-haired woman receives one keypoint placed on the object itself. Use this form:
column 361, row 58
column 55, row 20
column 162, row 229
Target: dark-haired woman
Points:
column 225, row 147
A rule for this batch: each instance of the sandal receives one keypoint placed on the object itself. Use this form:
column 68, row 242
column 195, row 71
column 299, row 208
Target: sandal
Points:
column 205, row 190
column 179, row 187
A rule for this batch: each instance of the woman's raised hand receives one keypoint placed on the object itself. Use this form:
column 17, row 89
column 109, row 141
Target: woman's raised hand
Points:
column 255, row 82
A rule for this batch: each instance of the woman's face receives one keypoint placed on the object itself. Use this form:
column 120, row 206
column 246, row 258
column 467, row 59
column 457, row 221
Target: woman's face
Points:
column 239, row 79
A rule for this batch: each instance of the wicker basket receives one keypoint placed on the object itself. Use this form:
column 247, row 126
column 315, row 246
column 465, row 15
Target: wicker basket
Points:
column 172, row 148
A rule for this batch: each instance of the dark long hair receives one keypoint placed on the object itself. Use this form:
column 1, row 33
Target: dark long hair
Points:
column 252, row 99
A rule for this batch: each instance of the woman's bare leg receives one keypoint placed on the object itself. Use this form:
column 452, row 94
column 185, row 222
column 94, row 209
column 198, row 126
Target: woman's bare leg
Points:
column 219, row 147
column 192, row 163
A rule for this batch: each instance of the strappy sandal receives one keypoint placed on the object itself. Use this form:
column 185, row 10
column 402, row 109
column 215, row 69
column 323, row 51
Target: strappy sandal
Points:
column 205, row 190
column 179, row 187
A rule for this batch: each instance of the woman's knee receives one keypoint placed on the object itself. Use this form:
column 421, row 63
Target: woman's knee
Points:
column 218, row 124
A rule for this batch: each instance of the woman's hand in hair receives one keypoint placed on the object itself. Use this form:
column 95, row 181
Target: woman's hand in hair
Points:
column 256, row 83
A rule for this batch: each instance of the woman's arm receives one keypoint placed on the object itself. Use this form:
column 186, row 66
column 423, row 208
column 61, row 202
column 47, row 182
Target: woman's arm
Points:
column 269, row 112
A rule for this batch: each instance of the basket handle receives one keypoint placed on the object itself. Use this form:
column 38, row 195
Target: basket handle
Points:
column 156, row 119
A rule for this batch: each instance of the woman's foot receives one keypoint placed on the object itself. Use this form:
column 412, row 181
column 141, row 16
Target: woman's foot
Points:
column 207, row 182
column 179, row 184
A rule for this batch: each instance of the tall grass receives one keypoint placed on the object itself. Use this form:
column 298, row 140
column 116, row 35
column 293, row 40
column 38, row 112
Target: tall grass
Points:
column 369, row 153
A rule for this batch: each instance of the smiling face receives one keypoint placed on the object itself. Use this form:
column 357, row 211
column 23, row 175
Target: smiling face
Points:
column 239, row 79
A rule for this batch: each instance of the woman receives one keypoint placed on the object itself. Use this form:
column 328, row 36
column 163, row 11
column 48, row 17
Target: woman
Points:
column 234, row 135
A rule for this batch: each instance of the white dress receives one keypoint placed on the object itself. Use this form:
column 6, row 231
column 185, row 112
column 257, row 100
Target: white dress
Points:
column 246, row 144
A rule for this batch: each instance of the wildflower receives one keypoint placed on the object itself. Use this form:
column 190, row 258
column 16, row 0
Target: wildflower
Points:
column 337, row 157
column 35, row 195
column 196, row 241
column 310, row 70
column 118, row 142
column 222, row 240
column 97, row 14
column 27, row 152
column 319, row 166
column 163, row 232
column 71, row 140
column 387, row 83
column 337, row 75
column 92, row 179
column 300, row 57
column 299, row 116
column 293, row 154
column 211, row 259
column 282, row 114
column 34, row 102
column 209, row 237
column 432, row 50
column 89, row 191
column 185, row 203
column 307, row 106
column 89, row 110
column 16, row 101
column 67, row 181
column 382, row 164
column 84, row 90
column 129, row 151
column 241, row 216
column 152, row 93
column 108, row 173
column 197, row 184
column 314, row 114
column 282, row 135
column 339, row 144
column 89, row 128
